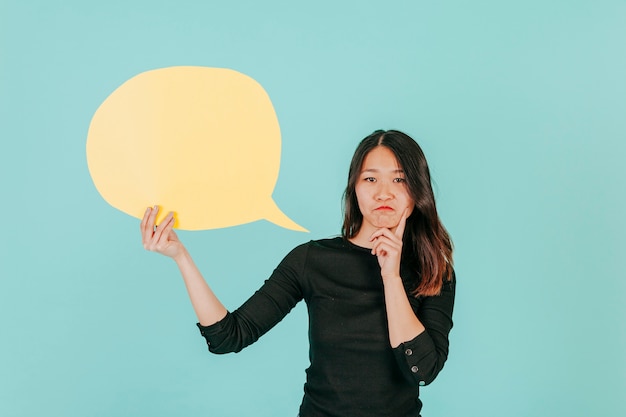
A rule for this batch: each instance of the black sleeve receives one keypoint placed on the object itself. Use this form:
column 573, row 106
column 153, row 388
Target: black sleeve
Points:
column 267, row 306
column 421, row 358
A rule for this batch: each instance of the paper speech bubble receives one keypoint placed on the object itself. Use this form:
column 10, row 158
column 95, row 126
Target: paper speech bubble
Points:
column 203, row 142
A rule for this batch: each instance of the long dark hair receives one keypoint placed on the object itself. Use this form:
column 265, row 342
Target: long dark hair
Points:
column 427, row 246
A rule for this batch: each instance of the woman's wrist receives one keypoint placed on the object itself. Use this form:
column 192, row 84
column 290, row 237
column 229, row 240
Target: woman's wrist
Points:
column 182, row 256
column 395, row 278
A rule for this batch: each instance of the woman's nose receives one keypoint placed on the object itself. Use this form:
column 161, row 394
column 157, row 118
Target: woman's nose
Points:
column 383, row 192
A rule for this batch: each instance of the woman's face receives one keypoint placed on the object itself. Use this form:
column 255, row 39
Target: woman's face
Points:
column 381, row 192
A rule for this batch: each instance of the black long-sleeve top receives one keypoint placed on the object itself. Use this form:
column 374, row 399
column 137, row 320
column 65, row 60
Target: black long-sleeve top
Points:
column 354, row 371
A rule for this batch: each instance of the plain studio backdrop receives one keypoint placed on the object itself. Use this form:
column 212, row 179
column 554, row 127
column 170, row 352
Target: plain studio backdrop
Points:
column 520, row 107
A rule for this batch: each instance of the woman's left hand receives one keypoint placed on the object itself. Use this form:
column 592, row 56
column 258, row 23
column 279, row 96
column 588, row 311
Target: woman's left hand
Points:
column 388, row 248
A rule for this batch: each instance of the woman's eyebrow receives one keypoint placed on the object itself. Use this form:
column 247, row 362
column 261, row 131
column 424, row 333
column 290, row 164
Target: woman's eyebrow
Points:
column 395, row 171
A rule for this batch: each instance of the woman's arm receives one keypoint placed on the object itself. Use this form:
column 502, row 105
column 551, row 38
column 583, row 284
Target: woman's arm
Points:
column 418, row 328
column 163, row 240
column 402, row 322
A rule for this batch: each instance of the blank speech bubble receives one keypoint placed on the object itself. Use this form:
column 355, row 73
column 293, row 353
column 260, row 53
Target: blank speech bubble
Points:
column 203, row 142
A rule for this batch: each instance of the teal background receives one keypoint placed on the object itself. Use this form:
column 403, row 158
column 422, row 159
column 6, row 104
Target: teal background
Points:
column 519, row 106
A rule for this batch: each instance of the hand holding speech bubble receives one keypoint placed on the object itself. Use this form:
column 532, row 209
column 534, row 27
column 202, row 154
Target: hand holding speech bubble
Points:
column 202, row 141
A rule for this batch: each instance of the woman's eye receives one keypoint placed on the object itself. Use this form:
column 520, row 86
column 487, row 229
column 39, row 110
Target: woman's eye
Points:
column 399, row 180
column 370, row 179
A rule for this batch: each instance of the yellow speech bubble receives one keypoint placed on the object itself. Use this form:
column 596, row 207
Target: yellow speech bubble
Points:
column 203, row 142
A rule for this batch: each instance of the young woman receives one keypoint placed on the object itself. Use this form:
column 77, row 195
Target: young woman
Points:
column 379, row 298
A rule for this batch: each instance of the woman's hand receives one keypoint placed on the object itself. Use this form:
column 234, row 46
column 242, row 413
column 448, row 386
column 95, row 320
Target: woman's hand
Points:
column 388, row 248
column 162, row 238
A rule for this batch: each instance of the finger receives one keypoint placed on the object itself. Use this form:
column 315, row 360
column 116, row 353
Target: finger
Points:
column 380, row 232
column 384, row 249
column 161, row 228
column 165, row 228
column 144, row 219
column 391, row 242
column 388, row 246
column 400, row 228
column 147, row 227
column 152, row 218
column 154, row 236
column 379, row 249
column 384, row 233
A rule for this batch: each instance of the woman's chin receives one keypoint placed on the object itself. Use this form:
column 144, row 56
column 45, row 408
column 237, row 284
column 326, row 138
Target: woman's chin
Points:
column 386, row 223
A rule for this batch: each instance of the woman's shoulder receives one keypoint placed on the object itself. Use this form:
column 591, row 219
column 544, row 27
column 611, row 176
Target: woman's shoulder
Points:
column 329, row 242
column 301, row 255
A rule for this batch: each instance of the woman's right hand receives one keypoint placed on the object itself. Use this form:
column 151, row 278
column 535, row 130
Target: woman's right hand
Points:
column 162, row 238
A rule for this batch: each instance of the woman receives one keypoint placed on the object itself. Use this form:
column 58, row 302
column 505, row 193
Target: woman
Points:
column 379, row 298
